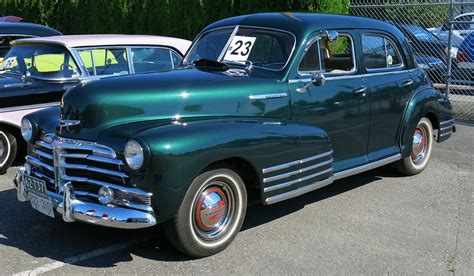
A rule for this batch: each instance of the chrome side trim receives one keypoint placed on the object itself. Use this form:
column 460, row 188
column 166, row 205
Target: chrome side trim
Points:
column 446, row 133
column 450, row 122
column 268, row 96
column 445, row 128
column 299, row 191
column 353, row 76
column 367, row 167
column 289, row 183
column 296, row 162
column 288, row 174
column 26, row 107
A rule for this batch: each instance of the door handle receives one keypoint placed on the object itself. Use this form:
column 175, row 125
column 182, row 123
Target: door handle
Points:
column 360, row 90
column 407, row 83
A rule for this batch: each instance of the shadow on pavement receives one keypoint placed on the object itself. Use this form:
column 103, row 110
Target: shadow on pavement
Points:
column 39, row 236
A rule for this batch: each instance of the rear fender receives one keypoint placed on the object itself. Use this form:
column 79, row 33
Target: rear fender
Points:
column 425, row 103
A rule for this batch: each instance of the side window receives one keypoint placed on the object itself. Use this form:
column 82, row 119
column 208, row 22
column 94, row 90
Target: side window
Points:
column 105, row 61
column 380, row 52
column 333, row 57
column 152, row 59
column 177, row 59
column 310, row 61
column 338, row 55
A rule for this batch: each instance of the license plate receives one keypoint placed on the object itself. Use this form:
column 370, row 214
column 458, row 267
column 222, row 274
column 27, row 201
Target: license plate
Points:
column 38, row 195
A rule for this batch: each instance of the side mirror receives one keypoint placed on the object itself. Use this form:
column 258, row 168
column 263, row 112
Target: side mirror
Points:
column 317, row 79
column 332, row 35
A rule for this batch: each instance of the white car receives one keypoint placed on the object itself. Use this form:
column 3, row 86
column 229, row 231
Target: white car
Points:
column 36, row 72
column 460, row 30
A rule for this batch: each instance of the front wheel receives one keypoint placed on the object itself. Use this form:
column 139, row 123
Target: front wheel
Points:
column 211, row 214
column 421, row 150
column 8, row 150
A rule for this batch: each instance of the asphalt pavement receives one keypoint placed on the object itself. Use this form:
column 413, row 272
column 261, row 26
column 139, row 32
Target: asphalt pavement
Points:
column 376, row 223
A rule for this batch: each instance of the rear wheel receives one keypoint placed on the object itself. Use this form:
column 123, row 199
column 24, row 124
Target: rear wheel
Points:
column 211, row 214
column 421, row 149
column 8, row 150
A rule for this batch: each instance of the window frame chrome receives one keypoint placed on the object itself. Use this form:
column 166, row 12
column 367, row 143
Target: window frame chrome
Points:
column 397, row 49
column 317, row 39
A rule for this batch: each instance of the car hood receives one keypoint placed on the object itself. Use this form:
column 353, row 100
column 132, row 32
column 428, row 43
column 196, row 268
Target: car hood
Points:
column 168, row 97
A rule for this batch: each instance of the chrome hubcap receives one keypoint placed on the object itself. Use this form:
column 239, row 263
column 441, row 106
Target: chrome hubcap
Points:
column 419, row 145
column 213, row 210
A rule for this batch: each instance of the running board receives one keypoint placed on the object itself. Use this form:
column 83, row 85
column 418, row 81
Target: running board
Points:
column 367, row 167
column 327, row 181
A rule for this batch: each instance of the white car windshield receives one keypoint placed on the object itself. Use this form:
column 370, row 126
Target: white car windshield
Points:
column 48, row 62
column 267, row 49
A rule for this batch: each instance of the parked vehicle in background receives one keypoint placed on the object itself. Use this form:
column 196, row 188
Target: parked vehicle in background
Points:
column 430, row 51
column 9, row 31
column 460, row 30
column 37, row 71
column 268, row 106
column 465, row 59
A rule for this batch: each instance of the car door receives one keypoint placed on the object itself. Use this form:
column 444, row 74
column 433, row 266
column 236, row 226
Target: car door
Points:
column 340, row 106
column 390, row 87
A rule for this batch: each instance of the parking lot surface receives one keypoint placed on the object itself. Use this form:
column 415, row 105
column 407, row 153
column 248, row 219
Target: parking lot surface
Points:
column 377, row 222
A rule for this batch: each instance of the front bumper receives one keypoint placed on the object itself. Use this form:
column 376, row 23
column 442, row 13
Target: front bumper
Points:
column 73, row 209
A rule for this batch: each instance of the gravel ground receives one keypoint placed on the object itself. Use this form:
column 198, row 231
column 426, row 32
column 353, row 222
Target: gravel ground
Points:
column 377, row 223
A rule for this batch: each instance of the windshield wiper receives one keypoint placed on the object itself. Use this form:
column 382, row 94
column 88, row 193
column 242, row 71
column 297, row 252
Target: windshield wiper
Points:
column 210, row 65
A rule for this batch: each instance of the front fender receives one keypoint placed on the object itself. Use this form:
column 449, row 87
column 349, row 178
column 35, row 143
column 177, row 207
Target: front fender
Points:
column 425, row 103
column 182, row 151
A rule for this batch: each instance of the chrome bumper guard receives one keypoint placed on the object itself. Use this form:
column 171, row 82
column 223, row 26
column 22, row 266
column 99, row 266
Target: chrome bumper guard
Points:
column 73, row 209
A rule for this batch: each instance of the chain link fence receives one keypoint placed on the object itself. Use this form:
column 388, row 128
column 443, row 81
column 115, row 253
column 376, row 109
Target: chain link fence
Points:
column 441, row 33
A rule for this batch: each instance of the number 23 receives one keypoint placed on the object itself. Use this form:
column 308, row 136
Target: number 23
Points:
column 239, row 45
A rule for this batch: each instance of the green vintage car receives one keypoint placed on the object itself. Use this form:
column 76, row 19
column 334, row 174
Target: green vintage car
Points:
column 267, row 106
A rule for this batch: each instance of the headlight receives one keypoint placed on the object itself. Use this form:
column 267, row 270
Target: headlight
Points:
column 26, row 129
column 134, row 155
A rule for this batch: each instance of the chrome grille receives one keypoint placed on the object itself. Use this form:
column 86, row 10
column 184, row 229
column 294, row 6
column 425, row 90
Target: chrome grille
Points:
column 88, row 166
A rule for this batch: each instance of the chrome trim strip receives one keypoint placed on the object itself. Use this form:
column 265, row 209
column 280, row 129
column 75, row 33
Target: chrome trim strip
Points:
column 268, row 96
column 44, row 144
column 299, row 191
column 296, row 162
column 40, row 175
column 289, row 183
column 352, row 76
column 94, row 169
column 35, row 161
column 446, row 133
column 367, row 167
column 43, row 154
column 289, row 174
column 118, row 202
column 445, row 128
column 26, row 107
column 112, row 186
column 447, row 122
column 93, row 158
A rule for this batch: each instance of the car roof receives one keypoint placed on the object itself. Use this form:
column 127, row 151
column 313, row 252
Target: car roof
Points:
column 302, row 24
column 78, row 41
column 27, row 29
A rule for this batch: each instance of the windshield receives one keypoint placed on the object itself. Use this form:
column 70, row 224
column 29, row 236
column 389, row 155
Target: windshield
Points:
column 421, row 34
column 265, row 49
column 41, row 61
